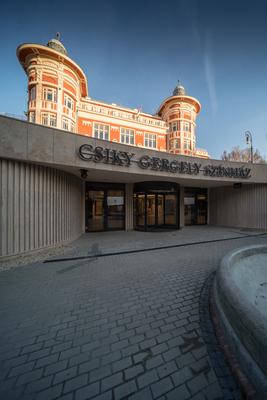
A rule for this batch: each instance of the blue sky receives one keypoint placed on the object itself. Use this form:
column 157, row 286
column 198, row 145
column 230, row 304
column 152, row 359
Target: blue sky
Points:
column 133, row 53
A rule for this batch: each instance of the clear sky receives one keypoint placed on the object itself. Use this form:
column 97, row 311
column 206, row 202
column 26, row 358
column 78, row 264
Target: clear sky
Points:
column 133, row 53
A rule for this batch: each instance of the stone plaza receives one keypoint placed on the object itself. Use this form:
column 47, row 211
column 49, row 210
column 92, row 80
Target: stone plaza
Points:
column 117, row 315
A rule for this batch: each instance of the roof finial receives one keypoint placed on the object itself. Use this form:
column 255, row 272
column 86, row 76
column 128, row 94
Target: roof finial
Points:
column 58, row 35
column 179, row 89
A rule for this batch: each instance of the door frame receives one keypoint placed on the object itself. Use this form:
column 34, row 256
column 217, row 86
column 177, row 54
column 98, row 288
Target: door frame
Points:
column 157, row 188
column 104, row 187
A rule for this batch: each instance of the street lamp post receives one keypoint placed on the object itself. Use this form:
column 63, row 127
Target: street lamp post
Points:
column 248, row 136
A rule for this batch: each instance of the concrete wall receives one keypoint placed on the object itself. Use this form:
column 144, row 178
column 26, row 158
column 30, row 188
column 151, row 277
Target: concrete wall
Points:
column 39, row 207
column 128, row 206
column 245, row 207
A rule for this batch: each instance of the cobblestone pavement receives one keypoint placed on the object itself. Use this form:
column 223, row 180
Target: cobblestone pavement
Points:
column 125, row 326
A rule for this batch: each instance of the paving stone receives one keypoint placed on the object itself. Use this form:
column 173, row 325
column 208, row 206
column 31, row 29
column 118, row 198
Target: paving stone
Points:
column 122, row 364
column 75, row 383
column 197, row 383
column 130, row 350
column 161, row 387
column 65, row 375
column 88, row 391
column 180, row 393
column 100, row 373
column 46, row 360
column 133, row 371
column 89, row 366
column 70, row 353
column 54, row 368
column 119, row 345
column 181, row 376
column 154, row 362
column 51, row 393
column 21, row 369
column 29, row 376
column 124, row 390
column 111, row 357
column 147, row 378
column 144, row 394
column 111, row 381
column 38, row 385
column 166, row 369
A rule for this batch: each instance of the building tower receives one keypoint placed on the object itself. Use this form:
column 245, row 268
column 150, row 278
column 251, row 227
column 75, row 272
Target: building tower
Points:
column 179, row 112
column 55, row 84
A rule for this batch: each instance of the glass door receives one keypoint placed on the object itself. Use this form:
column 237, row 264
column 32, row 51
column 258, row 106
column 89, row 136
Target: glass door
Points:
column 140, row 210
column 115, row 209
column 160, row 210
column 151, row 210
column 95, row 211
column 104, row 206
column 170, row 209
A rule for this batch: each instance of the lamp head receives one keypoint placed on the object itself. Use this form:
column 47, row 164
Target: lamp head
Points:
column 84, row 173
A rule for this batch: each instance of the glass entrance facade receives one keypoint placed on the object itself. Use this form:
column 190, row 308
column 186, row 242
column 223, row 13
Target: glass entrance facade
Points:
column 104, row 207
column 195, row 206
column 156, row 205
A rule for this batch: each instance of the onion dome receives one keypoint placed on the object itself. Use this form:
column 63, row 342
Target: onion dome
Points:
column 179, row 90
column 55, row 44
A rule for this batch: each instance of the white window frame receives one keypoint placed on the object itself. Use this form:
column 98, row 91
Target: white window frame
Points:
column 127, row 136
column 68, row 102
column 50, row 94
column 186, row 126
column 150, row 140
column 176, row 143
column 187, row 144
column 32, row 116
column 50, row 118
column 65, row 124
column 101, row 131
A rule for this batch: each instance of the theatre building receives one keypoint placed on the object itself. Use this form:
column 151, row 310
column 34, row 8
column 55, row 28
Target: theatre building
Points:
column 80, row 165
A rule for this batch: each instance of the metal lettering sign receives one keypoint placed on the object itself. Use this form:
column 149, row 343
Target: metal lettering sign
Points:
column 100, row 154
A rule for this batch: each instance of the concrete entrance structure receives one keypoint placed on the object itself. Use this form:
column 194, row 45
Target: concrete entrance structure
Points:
column 42, row 192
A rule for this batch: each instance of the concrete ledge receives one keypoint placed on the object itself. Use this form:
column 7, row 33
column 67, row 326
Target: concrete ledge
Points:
column 242, row 315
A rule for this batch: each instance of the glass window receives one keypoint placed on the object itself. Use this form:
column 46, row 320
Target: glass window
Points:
column 32, row 93
column 127, row 136
column 177, row 143
column 49, row 119
column 150, row 140
column 101, row 131
column 50, row 94
column 68, row 102
column 53, row 120
column 44, row 118
column 186, row 126
column 32, row 116
column 187, row 144
column 65, row 124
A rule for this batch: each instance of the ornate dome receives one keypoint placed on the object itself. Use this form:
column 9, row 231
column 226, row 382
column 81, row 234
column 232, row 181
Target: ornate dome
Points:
column 179, row 90
column 55, row 44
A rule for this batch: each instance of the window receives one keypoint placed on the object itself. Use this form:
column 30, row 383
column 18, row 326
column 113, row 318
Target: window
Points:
column 32, row 93
column 186, row 126
column 68, row 102
column 49, row 119
column 127, row 136
column 150, row 140
column 67, row 125
column 50, row 94
column 175, row 126
column 176, row 144
column 101, row 131
column 32, row 116
column 187, row 144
